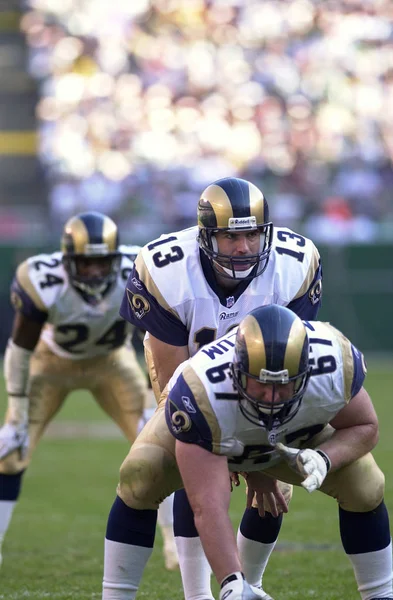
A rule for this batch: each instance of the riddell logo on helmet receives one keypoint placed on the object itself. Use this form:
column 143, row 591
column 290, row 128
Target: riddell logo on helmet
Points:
column 242, row 222
column 96, row 249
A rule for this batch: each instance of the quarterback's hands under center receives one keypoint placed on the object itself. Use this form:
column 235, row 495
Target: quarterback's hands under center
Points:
column 14, row 436
column 234, row 479
column 266, row 490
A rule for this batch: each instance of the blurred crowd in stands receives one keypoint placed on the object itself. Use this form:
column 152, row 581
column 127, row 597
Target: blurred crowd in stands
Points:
column 144, row 102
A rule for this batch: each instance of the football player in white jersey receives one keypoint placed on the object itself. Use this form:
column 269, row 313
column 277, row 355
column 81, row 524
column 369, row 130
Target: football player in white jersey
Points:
column 67, row 335
column 187, row 289
column 277, row 399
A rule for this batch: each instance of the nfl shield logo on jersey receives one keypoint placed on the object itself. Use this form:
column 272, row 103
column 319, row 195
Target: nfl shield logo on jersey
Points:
column 230, row 301
column 273, row 437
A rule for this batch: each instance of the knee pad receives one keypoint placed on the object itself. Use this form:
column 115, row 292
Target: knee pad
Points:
column 147, row 476
column 358, row 487
column 12, row 464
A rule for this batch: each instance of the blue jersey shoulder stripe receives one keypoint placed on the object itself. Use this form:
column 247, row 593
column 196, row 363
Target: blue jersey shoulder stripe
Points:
column 23, row 303
column 359, row 370
column 307, row 306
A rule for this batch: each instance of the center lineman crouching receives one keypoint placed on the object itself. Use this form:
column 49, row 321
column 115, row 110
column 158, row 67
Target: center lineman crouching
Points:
column 275, row 399
column 187, row 289
column 67, row 335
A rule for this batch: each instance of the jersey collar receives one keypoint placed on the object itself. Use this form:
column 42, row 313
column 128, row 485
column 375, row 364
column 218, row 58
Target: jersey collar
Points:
column 226, row 297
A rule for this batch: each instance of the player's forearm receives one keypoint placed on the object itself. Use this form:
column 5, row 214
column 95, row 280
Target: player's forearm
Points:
column 218, row 541
column 348, row 445
column 166, row 359
column 16, row 374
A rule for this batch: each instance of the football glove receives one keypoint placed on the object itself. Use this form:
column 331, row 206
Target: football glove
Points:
column 308, row 463
column 235, row 587
column 14, row 436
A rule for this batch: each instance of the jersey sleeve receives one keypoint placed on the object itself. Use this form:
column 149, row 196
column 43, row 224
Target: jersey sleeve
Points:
column 24, row 296
column 359, row 370
column 307, row 301
column 144, row 306
column 189, row 415
column 354, row 368
column 184, row 419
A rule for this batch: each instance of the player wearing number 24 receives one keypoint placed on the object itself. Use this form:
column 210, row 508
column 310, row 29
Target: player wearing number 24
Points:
column 276, row 399
column 67, row 335
column 187, row 289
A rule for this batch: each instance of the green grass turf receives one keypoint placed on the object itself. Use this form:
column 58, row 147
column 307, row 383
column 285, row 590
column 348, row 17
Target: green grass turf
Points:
column 54, row 547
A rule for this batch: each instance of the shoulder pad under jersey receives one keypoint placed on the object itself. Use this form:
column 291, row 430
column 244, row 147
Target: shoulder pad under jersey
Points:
column 129, row 254
column 165, row 266
column 130, row 251
column 332, row 353
column 41, row 278
column 294, row 261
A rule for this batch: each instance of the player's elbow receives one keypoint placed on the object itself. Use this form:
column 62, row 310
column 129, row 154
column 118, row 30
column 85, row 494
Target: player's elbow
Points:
column 373, row 434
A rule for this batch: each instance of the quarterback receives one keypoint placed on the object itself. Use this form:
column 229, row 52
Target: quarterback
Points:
column 186, row 290
column 276, row 399
column 67, row 335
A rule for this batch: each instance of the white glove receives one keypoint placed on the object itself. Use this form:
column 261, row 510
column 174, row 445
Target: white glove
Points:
column 235, row 587
column 14, row 436
column 308, row 463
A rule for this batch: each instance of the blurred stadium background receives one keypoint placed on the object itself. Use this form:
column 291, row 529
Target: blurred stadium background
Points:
column 132, row 107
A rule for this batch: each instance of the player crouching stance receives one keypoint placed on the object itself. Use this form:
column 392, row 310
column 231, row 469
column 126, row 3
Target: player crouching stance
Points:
column 67, row 335
column 277, row 399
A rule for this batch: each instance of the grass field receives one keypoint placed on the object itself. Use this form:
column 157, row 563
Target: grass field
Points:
column 54, row 548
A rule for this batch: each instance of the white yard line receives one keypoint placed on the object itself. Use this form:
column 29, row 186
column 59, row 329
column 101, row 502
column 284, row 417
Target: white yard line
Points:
column 76, row 429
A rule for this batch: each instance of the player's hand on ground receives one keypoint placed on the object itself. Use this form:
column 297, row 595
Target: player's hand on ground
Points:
column 267, row 493
column 235, row 587
column 14, row 437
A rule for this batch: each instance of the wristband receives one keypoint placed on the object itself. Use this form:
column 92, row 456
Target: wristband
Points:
column 327, row 460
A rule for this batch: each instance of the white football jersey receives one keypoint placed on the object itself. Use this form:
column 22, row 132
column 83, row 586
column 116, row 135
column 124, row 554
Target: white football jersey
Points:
column 73, row 328
column 172, row 292
column 203, row 405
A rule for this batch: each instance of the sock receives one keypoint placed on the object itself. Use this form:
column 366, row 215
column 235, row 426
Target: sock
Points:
column 123, row 569
column 128, row 546
column 366, row 540
column 10, row 486
column 165, row 512
column 165, row 521
column 256, row 539
column 194, row 566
